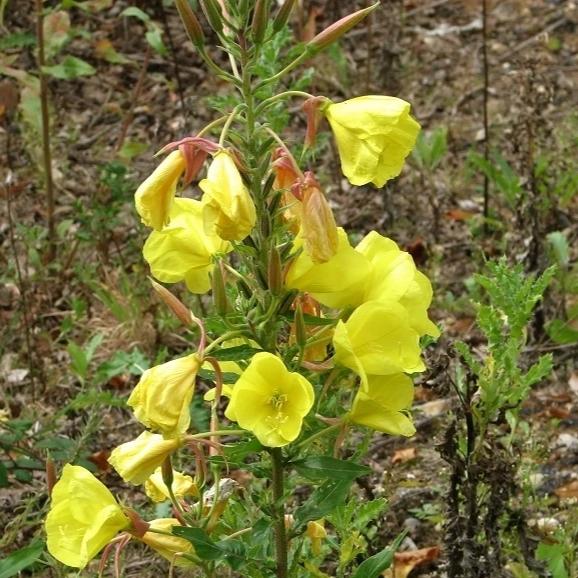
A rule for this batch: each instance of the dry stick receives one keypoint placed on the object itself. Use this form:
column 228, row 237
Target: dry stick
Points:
column 486, row 94
column 46, row 152
column 176, row 66
column 369, row 30
column 134, row 98
column 21, row 286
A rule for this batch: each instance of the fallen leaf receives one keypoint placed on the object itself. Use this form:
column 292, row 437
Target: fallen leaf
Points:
column 573, row 382
column 568, row 491
column 435, row 407
column 459, row 215
column 100, row 460
column 404, row 455
column 405, row 562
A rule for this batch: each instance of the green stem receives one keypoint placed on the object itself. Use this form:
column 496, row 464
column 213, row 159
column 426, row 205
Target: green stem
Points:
column 219, row 340
column 279, row 513
column 281, row 96
column 220, row 432
column 317, row 435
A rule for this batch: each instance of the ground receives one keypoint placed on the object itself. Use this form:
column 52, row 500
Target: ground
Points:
column 106, row 127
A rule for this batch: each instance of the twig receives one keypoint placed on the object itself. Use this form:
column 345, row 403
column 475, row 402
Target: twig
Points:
column 46, row 152
column 134, row 99
column 180, row 88
column 486, row 124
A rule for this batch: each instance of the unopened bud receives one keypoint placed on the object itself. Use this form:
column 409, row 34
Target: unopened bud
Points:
column 318, row 226
column 283, row 15
column 300, row 329
column 289, row 521
column 192, row 25
column 167, row 472
column 175, row 304
column 50, row 475
column 336, row 30
column 274, row 272
column 219, row 290
column 213, row 13
column 260, row 20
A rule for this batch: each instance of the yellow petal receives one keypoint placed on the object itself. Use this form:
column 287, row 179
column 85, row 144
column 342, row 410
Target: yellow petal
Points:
column 84, row 516
column 170, row 547
column 338, row 283
column 162, row 397
column 136, row 461
column 154, row 197
column 270, row 401
column 182, row 250
column 157, row 491
column 228, row 209
column 374, row 135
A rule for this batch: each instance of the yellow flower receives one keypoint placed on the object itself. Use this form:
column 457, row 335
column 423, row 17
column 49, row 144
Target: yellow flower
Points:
column 169, row 547
column 162, row 397
column 135, row 461
column 394, row 277
column 157, row 491
column 270, row 401
column 154, row 197
column 339, row 283
column 228, row 207
column 377, row 339
column 182, row 250
column 381, row 405
column 84, row 517
column 316, row 533
column 374, row 134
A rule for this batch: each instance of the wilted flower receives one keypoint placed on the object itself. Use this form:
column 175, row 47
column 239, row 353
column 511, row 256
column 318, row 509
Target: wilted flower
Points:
column 157, row 491
column 155, row 196
column 318, row 228
column 270, row 401
column 228, row 208
column 374, row 135
column 83, row 518
column 169, row 547
column 377, row 339
column 162, row 397
column 316, row 533
column 182, row 250
column 136, row 461
column 381, row 404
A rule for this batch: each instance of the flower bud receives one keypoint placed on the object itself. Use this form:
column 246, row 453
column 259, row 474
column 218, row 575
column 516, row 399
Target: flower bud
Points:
column 213, row 14
column 316, row 533
column 175, row 304
column 274, row 272
column 219, row 290
column 339, row 28
column 192, row 26
column 260, row 20
column 283, row 15
column 300, row 329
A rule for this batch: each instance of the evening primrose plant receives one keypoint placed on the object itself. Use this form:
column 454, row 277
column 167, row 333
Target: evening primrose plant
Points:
column 309, row 347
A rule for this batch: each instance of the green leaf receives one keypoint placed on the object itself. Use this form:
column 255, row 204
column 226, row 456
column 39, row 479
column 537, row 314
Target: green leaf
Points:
column 205, row 548
column 317, row 467
column 374, row 566
column 233, row 552
column 237, row 353
column 3, row 476
column 70, row 68
column 17, row 40
column 137, row 13
column 21, row 559
column 560, row 248
column 154, row 37
column 538, row 371
column 560, row 332
column 323, row 501
column 553, row 555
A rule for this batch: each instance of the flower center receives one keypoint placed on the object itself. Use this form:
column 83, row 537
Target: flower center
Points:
column 278, row 400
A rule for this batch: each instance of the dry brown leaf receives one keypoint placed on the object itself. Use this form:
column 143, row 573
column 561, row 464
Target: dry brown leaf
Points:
column 573, row 382
column 404, row 455
column 568, row 491
column 459, row 215
column 100, row 460
column 405, row 562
